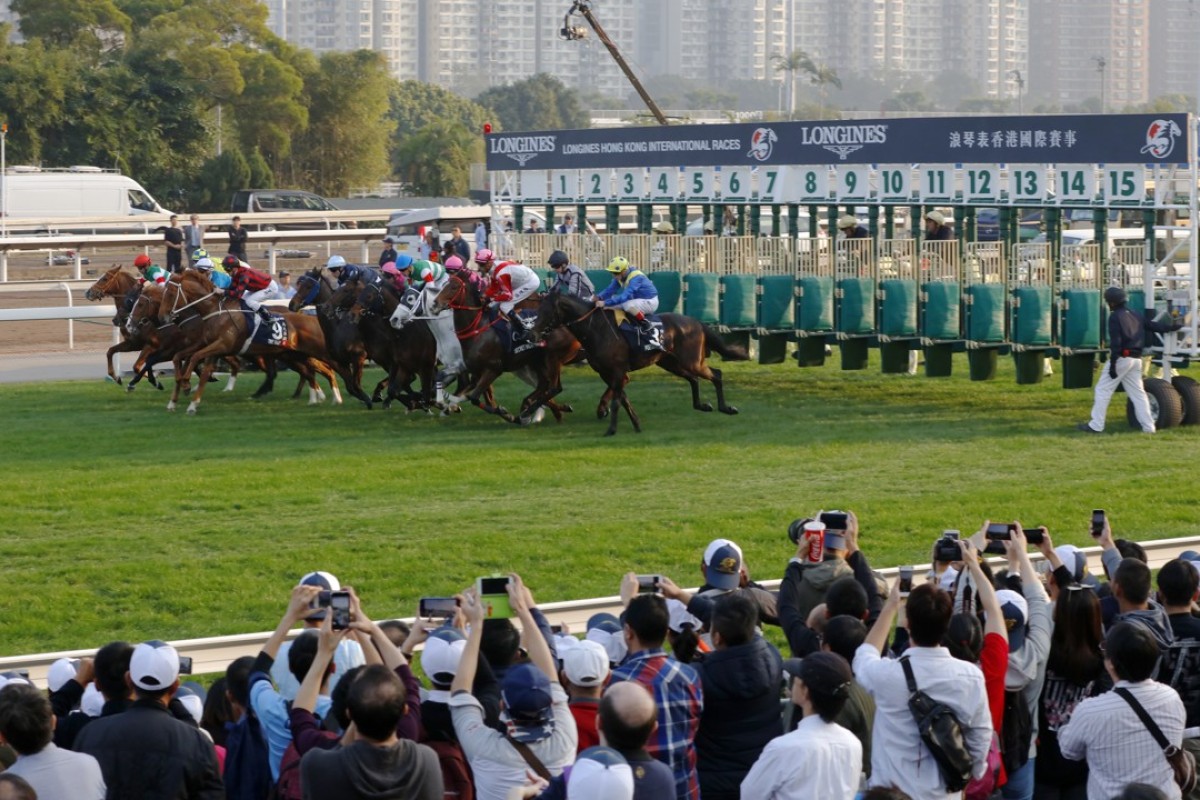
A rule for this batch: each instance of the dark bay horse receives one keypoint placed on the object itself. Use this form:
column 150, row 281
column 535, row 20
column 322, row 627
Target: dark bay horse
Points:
column 487, row 357
column 687, row 343
column 122, row 285
column 343, row 341
column 407, row 354
column 225, row 329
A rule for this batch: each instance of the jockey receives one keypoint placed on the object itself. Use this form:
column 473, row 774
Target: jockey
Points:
column 198, row 254
column 151, row 272
column 219, row 277
column 484, row 261
column 350, row 272
column 570, row 279
column 632, row 292
column 512, row 283
column 398, row 279
column 434, row 277
column 456, row 266
column 427, row 274
column 251, row 286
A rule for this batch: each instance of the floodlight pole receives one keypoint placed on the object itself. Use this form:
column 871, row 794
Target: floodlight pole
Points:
column 3, row 182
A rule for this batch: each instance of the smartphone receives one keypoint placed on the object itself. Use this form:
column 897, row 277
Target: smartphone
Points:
column 999, row 531
column 1035, row 535
column 906, row 575
column 493, row 593
column 339, row 606
column 1097, row 522
column 321, row 600
column 835, row 520
column 185, row 665
column 648, row 584
column 557, row 630
column 429, row 607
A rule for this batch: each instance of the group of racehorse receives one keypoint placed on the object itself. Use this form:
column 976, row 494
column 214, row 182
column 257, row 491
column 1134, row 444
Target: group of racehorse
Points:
column 188, row 321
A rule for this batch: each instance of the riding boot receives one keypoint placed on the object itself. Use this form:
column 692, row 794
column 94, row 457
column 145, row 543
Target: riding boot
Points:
column 264, row 314
column 650, row 332
column 519, row 331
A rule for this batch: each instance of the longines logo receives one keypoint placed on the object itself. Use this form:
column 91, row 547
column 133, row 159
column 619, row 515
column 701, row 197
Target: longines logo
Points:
column 522, row 149
column 843, row 139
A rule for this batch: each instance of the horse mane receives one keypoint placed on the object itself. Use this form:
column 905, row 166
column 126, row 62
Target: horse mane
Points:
column 576, row 304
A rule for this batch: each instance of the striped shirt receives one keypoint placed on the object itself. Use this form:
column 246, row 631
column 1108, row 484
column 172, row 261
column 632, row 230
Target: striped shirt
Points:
column 677, row 694
column 1106, row 731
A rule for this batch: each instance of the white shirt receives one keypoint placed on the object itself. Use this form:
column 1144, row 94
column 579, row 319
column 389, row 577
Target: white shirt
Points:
column 348, row 655
column 57, row 774
column 897, row 753
column 817, row 760
column 1119, row 750
column 497, row 765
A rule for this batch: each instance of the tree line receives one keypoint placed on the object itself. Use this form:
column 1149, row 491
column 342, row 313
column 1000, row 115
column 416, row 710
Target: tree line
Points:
column 197, row 99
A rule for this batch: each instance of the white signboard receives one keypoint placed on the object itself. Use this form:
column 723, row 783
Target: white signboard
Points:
column 771, row 182
column 935, row 184
column 533, row 185
column 809, row 184
column 1027, row 184
column 1123, row 184
column 597, row 185
column 664, row 184
column 564, row 185
column 895, row 183
column 853, row 183
column 735, row 184
column 1075, row 184
column 631, row 184
column 981, row 184
column 698, row 184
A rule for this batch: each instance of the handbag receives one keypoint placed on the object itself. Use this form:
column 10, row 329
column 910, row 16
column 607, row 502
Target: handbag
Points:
column 1183, row 763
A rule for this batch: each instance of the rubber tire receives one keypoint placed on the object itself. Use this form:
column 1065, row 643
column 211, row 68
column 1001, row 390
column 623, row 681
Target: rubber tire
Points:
column 1166, row 406
column 1189, row 393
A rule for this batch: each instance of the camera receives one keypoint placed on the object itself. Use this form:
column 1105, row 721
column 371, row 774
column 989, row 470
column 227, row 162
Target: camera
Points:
column 1000, row 531
column 321, row 600
column 796, row 529
column 906, row 574
column 1098, row 520
column 648, row 584
column 339, row 605
column 429, row 607
column 835, row 520
column 185, row 665
column 946, row 548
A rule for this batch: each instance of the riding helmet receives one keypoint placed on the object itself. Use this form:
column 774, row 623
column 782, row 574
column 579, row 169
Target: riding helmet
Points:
column 335, row 262
column 199, row 253
column 204, row 264
column 484, row 256
column 230, row 262
column 618, row 265
column 453, row 264
column 404, row 261
column 1115, row 295
column 142, row 261
column 558, row 259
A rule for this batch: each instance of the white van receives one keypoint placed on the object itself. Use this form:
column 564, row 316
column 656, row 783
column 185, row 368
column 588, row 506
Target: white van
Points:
column 40, row 193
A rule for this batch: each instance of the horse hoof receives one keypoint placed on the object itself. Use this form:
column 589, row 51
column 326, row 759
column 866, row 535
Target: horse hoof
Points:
column 158, row 386
column 129, row 388
column 191, row 410
column 704, row 407
column 227, row 389
column 730, row 410
column 610, row 433
column 601, row 413
column 567, row 409
column 170, row 406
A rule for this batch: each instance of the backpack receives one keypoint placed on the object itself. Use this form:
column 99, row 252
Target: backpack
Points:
column 1179, row 668
column 1016, row 730
column 941, row 732
column 288, row 786
column 456, row 774
column 247, row 761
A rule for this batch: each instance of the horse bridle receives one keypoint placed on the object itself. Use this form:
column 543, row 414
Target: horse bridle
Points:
column 102, row 288
column 316, row 288
column 177, row 309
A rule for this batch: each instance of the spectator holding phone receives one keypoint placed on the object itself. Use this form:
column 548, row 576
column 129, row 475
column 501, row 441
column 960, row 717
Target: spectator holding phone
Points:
column 349, row 653
column 1131, row 585
column 541, row 735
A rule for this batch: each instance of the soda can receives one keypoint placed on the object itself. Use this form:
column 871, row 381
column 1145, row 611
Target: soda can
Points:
column 814, row 538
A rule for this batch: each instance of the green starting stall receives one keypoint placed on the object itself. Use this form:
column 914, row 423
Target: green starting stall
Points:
column 802, row 236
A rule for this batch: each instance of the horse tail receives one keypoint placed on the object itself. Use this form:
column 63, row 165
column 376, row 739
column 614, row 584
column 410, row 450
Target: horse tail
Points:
column 729, row 352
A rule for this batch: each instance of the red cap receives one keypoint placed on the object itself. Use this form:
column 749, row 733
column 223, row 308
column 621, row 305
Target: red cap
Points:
column 142, row 261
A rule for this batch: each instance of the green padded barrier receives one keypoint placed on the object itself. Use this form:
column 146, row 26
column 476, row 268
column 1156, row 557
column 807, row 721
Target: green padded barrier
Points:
column 985, row 314
column 1031, row 315
column 810, row 352
column 1136, row 302
column 548, row 277
column 982, row 363
column 777, row 303
column 854, row 353
column 702, row 298
column 1077, row 370
column 670, row 291
column 1080, row 326
column 893, row 358
column 898, row 308
column 816, row 304
column 939, row 361
column 600, row 278
column 739, row 301
column 772, row 349
column 856, row 308
column 1031, row 366
column 941, row 318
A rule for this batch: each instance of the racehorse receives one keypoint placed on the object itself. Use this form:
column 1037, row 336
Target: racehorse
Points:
column 225, row 329
column 406, row 354
column 487, row 357
column 687, row 343
column 342, row 337
column 122, row 285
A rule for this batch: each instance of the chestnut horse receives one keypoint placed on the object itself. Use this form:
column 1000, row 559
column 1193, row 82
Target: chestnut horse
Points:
column 225, row 328
column 487, row 357
column 122, row 285
column 687, row 343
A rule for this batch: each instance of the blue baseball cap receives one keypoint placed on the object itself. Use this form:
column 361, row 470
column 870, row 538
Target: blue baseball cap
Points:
column 527, row 702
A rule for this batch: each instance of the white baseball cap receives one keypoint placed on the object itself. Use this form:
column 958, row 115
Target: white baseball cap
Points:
column 717, row 544
column 680, row 616
column 600, row 773
column 586, row 664
column 154, row 666
column 442, row 654
column 92, row 703
column 60, row 672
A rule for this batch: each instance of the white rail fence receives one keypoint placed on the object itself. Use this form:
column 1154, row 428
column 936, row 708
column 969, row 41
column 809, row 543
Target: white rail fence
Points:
column 213, row 654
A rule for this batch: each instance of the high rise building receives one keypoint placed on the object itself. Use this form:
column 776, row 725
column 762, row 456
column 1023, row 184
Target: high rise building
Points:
column 324, row 26
column 1083, row 49
column 1174, row 56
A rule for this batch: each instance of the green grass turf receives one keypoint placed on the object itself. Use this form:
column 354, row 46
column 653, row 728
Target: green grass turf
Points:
column 124, row 521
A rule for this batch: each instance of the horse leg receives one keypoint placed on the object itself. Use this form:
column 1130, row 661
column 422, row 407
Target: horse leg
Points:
column 719, row 384
column 268, row 385
column 144, row 366
column 633, row 417
column 123, row 346
column 323, row 368
column 617, row 393
column 234, row 368
column 202, row 356
column 673, row 366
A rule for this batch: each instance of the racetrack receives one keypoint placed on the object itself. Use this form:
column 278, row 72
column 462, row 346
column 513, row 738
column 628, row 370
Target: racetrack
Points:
column 122, row 520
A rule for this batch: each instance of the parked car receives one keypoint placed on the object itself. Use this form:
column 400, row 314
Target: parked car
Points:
column 250, row 201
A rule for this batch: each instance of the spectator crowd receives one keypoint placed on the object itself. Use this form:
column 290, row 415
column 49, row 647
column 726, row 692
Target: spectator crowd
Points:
column 1036, row 679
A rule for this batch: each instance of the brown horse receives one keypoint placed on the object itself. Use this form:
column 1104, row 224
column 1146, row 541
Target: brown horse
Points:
column 121, row 284
column 487, row 357
column 687, row 343
column 224, row 331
